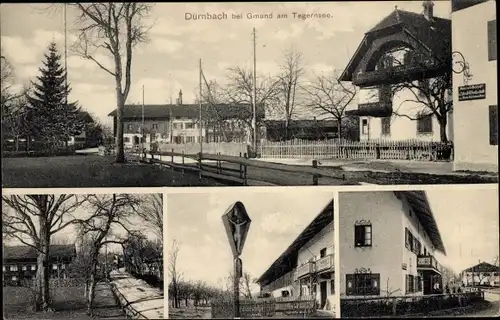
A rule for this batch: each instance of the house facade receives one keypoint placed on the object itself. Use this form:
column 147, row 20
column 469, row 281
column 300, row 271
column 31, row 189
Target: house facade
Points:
column 180, row 123
column 388, row 242
column 397, row 61
column 306, row 268
column 482, row 274
column 20, row 263
column 475, row 85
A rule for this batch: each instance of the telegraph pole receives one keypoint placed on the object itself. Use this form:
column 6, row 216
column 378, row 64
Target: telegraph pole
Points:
column 201, row 123
column 170, row 112
column 254, row 94
column 142, row 127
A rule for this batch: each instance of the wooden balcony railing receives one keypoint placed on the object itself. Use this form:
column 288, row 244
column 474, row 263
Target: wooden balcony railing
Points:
column 325, row 263
column 304, row 270
column 428, row 262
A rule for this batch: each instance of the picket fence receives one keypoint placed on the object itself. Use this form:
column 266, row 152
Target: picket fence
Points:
column 357, row 150
column 265, row 307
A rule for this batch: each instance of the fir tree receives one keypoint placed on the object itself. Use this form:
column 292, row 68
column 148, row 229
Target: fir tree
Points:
column 53, row 119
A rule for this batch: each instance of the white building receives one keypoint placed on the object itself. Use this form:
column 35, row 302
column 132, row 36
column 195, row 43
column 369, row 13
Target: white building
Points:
column 482, row 274
column 306, row 268
column 387, row 245
column 397, row 59
column 475, row 88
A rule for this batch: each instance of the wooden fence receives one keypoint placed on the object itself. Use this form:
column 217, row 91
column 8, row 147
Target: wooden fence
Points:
column 406, row 305
column 234, row 170
column 358, row 150
column 265, row 307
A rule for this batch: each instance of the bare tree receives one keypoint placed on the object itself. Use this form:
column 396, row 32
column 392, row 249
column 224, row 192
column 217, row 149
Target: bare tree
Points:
column 114, row 29
column 152, row 213
column 33, row 220
column 240, row 90
column 109, row 219
column 288, row 84
column 174, row 273
column 330, row 97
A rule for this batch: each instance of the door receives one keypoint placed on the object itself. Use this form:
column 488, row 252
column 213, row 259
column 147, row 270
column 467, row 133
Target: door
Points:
column 322, row 289
column 136, row 140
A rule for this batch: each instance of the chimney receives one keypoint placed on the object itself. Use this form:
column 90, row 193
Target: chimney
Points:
column 428, row 9
column 179, row 100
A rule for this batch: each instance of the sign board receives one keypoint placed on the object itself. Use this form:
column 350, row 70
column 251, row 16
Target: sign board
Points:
column 236, row 222
column 404, row 266
column 472, row 92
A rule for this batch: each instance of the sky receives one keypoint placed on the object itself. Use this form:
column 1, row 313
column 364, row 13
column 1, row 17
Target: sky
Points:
column 467, row 219
column 278, row 217
column 169, row 61
column 68, row 235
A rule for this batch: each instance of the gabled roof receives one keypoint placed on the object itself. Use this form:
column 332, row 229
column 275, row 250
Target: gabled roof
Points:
column 420, row 205
column 29, row 253
column 165, row 111
column 483, row 267
column 434, row 34
column 287, row 261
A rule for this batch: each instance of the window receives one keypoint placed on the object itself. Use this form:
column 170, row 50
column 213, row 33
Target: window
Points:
column 33, row 267
column 408, row 239
column 13, row 268
column 425, row 251
column 410, row 283
column 332, row 286
column 362, row 284
column 494, row 125
column 14, row 278
column 386, row 125
column 363, row 236
column 177, row 125
column 155, row 125
column 126, row 139
column 190, row 139
column 3, row 268
column 322, row 253
column 164, row 136
column 24, row 268
column 364, row 126
column 189, row 125
column 424, row 124
column 63, row 266
column 54, row 267
column 423, row 86
column 496, row 274
column 492, row 40
column 129, row 127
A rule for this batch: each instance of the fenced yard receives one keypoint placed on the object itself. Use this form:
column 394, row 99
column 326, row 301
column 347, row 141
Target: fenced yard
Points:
column 267, row 307
column 406, row 305
column 357, row 150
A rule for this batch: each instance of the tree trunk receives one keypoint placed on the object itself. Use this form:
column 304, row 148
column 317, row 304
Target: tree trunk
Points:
column 442, row 131
column 91, row 290
column 339, row 125
column 43, row 270
column 120, row 105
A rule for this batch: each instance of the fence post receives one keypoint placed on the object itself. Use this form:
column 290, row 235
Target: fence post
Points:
column 245, row 183
column 182, row 170
column 172, row 157
column 219, row 165
column 315, row 176
column 241, row 168
column 199, row 165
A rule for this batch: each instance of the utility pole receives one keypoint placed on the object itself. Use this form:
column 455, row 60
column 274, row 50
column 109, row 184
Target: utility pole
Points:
column 170, row 112
column 201, row 122
column 254, row 94
column 142, row 127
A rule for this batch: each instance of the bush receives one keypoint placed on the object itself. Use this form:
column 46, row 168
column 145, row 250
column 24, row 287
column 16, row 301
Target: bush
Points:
column 34, row 154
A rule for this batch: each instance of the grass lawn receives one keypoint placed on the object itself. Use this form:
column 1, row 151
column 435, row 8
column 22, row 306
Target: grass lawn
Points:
column 189, row 313
column 90, row 171
column 68, row 303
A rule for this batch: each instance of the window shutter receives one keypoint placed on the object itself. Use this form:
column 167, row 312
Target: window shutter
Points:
column 358, row 235
column 375, row 284
column 493, row 125
column 407, row 238
column 406, row 283
column 492, row 40
column 350, row 284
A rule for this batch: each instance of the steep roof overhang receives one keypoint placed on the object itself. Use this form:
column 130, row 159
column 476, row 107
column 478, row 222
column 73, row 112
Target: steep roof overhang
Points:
column 287, row 261
column 420, row 205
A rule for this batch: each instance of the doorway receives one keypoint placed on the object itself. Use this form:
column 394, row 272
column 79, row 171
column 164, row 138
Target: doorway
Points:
column 322, row 290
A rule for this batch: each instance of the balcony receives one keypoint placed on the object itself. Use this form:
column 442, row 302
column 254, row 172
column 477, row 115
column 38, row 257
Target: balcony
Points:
column 401, row 73
column 304, row 270
column 324, row 264
column 374, row 109
column 428, row 263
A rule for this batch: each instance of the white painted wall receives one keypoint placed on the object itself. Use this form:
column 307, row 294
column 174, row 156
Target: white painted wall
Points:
column 324, row 239
column 385, row 257
column 489, row 279
column 402, row 128
column 472, row 144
